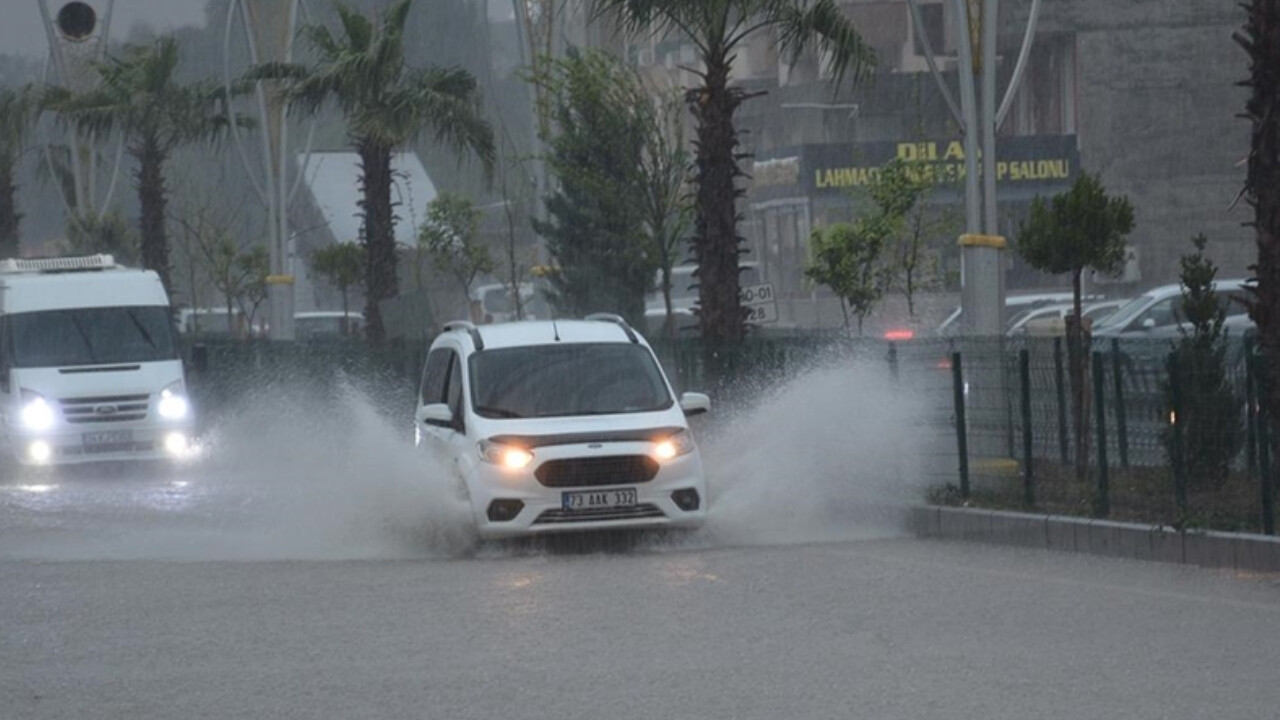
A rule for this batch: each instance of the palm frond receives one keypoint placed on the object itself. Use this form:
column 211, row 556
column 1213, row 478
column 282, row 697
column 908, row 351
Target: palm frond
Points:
column 824, row 25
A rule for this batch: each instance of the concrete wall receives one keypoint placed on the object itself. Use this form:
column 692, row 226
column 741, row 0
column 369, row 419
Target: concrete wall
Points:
column 1156, row 116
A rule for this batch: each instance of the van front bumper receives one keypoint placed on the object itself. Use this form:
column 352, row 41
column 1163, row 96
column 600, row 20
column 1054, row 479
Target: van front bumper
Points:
column 93, row 443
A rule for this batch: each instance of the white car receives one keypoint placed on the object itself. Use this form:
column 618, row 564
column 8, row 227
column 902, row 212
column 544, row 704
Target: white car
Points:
column 561, row 425
column 1157, row 312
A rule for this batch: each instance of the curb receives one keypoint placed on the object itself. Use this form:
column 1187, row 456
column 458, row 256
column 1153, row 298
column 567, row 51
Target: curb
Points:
column 1152, row 543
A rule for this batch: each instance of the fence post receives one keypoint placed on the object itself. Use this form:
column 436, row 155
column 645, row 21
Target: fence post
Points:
column 1251, row 403
column 1117, row 403
column 962, row 440
column 1028, row 480
column 1175, row 422
column 893, row 361
column 1262, row 440
column 1103, row 505
column 1060, row 386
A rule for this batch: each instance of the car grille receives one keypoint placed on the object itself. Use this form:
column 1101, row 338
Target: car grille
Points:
column 116, row 408
column 595, row 471
column 636, row 512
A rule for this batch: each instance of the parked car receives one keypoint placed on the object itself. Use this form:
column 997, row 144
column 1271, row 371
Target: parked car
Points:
column 684, row 290
column 497, row 304
column 1157, row 312
column 1014, row 306
column 553, row 426
column 327, row 324
column 1052, row 319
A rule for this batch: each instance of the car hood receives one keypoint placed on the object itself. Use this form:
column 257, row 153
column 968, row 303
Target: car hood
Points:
column 625, row 426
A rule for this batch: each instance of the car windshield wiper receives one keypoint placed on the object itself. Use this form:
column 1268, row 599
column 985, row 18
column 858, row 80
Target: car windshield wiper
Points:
column 490, row 411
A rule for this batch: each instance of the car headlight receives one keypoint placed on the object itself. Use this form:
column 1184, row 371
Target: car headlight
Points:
column 674, row 445
column 37, row 414
column 507, row 456
column 173, row 402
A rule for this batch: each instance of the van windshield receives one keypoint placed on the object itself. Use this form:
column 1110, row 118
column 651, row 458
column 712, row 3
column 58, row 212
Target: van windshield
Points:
column 566, row 380
column 91, row 336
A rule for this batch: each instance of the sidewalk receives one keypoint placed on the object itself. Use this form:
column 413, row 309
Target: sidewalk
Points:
column 1233, row 551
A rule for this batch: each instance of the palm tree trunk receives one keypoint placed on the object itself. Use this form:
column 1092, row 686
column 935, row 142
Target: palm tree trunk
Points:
column 379, row 234
column 154, row 245
column 716, row 241
column 9, row 216
column 1261, row 39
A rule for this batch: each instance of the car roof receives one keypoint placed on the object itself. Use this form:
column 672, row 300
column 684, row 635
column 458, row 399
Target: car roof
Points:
column 545, row 332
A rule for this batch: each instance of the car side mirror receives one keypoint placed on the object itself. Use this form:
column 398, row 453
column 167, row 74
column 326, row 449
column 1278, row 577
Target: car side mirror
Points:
column 693, row 403
column 437, row 414
column 1148, row 323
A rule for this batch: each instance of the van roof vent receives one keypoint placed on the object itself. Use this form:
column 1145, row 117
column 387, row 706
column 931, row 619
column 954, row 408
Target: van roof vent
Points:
column 57, row 264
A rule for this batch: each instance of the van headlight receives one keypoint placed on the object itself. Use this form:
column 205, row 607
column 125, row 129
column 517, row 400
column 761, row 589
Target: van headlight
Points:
column 674, row 445
column 37, row 414
column 507, row 456
column 173, row 402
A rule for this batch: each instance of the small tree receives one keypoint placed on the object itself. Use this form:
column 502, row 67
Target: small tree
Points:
column 18, row 109
column 342, row 265
column 451, row 238
column 1212, row 428
column 847, row 260
column 595, row 229
column 664, row 169
column 1078, row 229
column 109, row 233
column 903, row 191
column 253, row 266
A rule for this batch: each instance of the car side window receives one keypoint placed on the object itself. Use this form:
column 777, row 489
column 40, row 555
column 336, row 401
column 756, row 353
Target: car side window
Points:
column 1231, row 302
column 434, row 376
column 453, row 393
column 1162, row 313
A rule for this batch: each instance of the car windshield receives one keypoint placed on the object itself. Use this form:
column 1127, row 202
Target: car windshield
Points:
column 91, row 336
column 566, row 379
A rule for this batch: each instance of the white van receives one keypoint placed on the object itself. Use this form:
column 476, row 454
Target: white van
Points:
column 89, row 364
column 684, row 286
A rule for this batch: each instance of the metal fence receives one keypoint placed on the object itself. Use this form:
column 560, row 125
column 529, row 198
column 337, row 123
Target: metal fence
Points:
column 996, row 423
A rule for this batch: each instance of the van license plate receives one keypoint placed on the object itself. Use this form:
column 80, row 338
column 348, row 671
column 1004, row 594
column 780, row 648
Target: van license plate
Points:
column 621, row 497
column 108, row 437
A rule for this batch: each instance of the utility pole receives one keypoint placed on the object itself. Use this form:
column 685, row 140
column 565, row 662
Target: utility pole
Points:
column 982, row 248
column 269, row 28
column 78, row 33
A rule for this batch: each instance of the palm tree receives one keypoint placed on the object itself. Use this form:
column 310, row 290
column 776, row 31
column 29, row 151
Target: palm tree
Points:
column 140, row 97
column 386, row 105
column 1261, row 40
column 17, row 113
column 718, row 28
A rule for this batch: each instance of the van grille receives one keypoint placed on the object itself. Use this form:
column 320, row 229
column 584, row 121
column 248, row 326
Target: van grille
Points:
column 594, row 471
column 116, row 408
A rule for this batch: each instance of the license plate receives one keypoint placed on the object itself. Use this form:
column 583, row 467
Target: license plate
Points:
column 108, row 437
column 593, row 499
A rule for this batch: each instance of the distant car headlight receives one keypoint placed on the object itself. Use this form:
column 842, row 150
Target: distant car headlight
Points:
column 674, row 445
column 173, row 402
column 37, row 414
column 507, row 456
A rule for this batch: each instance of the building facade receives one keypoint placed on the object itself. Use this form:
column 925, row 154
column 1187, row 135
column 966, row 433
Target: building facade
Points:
column 1140, row 91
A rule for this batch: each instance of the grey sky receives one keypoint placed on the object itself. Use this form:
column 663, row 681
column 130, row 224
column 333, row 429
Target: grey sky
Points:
column 21, row 31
